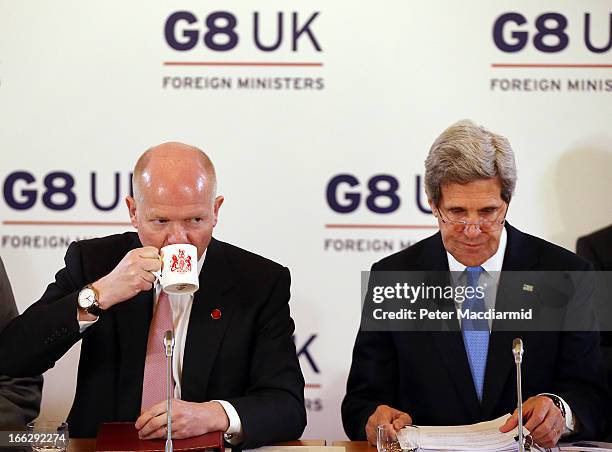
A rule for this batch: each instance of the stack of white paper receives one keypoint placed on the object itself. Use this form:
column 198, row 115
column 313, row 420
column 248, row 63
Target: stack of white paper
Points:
column 484, row 436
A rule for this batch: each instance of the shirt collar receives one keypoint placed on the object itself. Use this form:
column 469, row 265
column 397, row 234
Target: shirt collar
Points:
column 493, row 264
column 201, row 261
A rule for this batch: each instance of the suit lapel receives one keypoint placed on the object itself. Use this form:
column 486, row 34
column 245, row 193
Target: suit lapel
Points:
column 452, row 353
column 449, row 343
column 500, row 361
column 133, row 320
column 499, row 364
column 205, row 333
column 518, row 256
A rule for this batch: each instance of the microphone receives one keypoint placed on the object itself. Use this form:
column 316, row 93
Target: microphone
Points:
column 517, row 351
column 169, row 345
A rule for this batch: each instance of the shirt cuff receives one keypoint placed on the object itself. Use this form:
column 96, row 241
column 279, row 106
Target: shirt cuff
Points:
column 570, row 420
column 233, row 434
column 84, row 324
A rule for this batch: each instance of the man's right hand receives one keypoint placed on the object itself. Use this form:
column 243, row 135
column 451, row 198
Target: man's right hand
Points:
column 384, row 414
column 131, row 276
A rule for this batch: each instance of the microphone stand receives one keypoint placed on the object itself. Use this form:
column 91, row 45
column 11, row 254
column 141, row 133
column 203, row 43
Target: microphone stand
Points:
column 169, row 346
column 517, row 351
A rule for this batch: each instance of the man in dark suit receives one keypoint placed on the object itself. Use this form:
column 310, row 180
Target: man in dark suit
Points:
column 597, row 248
column 19, row 397
column 235, row 368
column 445, row 377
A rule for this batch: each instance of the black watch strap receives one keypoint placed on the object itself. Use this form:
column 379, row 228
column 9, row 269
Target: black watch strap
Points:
column 558, row 403
column 95, row 308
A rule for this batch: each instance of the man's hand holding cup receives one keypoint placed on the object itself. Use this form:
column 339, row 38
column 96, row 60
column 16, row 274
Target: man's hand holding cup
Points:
column 176, row 267
column 131, row 276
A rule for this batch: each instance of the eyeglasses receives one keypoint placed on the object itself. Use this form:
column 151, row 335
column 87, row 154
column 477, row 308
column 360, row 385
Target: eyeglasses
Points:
column 488, row 222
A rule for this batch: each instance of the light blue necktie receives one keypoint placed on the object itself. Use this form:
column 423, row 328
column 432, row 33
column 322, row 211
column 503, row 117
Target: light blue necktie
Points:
column 475, row 333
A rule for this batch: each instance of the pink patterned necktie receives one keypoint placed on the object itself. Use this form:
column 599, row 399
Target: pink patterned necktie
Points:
column 154, row 381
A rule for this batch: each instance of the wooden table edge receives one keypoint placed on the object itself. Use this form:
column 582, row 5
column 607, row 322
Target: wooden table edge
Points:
column 89, row 444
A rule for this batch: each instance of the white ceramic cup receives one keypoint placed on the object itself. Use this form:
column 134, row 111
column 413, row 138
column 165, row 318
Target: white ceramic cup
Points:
column 179, row 270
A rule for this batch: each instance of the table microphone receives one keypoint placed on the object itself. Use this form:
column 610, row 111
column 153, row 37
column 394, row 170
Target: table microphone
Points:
column 169, row 346
column 517, row 351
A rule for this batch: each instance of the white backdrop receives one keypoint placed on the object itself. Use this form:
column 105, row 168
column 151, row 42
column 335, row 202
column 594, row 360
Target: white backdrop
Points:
column 86, row 86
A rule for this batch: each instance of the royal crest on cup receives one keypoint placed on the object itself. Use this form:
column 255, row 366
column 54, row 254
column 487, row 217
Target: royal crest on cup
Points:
column 179, row 270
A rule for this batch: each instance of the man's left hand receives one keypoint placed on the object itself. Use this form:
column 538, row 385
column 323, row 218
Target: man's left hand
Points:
column 188, row 419
column 542, row 418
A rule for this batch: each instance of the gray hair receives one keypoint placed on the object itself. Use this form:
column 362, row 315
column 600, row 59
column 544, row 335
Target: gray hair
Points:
column 466, row 152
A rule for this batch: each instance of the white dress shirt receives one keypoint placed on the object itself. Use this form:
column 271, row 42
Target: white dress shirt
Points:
column 181, row 309
column 489, row 280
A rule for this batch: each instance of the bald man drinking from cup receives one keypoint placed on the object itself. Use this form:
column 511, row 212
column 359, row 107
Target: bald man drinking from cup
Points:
column 235, row 368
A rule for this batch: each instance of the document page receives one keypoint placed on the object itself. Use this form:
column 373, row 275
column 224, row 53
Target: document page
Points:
column 477, row 437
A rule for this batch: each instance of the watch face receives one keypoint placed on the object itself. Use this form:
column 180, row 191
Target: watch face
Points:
column 87, row 297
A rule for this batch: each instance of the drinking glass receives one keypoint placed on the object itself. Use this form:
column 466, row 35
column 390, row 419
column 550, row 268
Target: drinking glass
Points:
column 403, row 440
column 48, row 436
column 409, row 438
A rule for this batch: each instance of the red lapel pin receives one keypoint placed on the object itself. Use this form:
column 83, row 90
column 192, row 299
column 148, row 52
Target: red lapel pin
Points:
column 215, row 314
